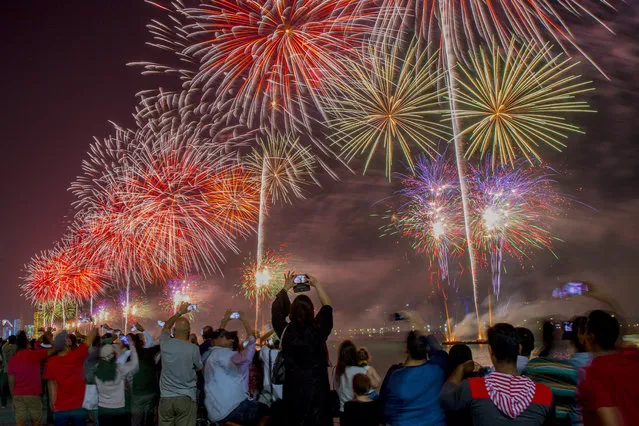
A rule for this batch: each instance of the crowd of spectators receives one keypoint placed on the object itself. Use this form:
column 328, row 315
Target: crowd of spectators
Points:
column 285, row 376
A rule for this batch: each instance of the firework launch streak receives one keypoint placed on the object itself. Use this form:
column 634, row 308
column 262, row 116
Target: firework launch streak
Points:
column 501, row 399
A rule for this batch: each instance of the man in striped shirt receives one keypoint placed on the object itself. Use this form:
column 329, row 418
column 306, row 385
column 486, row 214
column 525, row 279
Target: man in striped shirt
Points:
column 562, row 376
column 503, row 398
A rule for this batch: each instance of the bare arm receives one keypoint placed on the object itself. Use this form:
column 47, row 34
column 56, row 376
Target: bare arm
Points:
column 91, row 337
column 226, row 319
column 376, row 381
column 247, row 326
column 131, row 366
column 321, row 293
column 53, row 392
column 168, row 325
column 610, row 416
column 12, row 383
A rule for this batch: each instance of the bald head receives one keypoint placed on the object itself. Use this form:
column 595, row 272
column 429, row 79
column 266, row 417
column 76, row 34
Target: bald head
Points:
column 182, row 328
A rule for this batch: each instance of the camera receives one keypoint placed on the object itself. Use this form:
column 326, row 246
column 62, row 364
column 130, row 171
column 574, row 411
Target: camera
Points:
column 301, row 283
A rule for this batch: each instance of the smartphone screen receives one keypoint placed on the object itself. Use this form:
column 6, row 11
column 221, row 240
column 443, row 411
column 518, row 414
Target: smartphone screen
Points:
column 235, row 315
column 301, row 279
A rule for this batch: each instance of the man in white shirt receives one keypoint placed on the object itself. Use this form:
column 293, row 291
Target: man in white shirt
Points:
column 226, row 376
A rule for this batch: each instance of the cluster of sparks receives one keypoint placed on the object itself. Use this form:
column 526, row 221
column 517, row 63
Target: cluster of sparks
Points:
column 518, row 103
column 513, row 211
column 257, row 77
column 429, row 212
column 265, row 278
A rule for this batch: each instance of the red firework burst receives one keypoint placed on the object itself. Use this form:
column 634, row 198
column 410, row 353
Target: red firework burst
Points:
column 146, row 205
column 62, row 273
column 271, row 55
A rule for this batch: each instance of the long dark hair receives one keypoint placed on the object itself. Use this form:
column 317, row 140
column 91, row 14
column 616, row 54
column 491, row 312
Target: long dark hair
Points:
column 547, row 338
column 106, row 369
column 302, row 311
column 347, row 356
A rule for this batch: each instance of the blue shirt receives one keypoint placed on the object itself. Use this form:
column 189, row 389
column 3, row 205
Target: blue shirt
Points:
column 410, row 395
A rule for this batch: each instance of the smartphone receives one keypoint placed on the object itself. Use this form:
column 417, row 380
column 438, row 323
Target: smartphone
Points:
column 124, row 340
column 301, row 283
column 568, row 326
column 397, row 317
column 161, row 323
column 235, row 315
column 192, row 308
column 134, row 329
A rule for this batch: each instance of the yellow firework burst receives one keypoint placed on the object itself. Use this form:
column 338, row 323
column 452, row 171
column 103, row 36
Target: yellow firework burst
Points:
column 390, row 99
column 285, row 165
column 515, row 103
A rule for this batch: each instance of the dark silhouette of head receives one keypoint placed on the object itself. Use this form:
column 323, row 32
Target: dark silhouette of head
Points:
column 302, row 311
column 458, row 355
column 547, row 339
column 578, row 333
column 361, row 384
column 504, row 343
column 12, row 340
column 207, row 332
column 602, row 331
column 416, row 346
column 526, row 341
column 347, row 356
column 22, row 341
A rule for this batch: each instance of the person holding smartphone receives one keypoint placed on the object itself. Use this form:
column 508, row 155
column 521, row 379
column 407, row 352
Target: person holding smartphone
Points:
column 303, row 334
column 226, row 375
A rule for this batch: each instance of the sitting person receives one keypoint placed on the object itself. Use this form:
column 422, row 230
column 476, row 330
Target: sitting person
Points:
column 362, row 410
column 409, row 394
column 226, row 376
column 562, row 376
column 347, row 367
column 526, row 346
column 458, row 355
column 608, row 389
column 503, row 397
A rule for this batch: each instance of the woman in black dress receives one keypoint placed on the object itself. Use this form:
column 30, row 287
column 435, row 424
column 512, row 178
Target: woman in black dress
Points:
column 303, row 341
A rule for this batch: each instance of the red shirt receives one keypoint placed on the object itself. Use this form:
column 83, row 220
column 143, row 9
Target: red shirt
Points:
column 611, row 381
column 25, row 366
column 68, row 372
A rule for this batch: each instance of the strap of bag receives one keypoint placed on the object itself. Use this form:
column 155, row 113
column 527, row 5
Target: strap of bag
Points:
column 270, row 371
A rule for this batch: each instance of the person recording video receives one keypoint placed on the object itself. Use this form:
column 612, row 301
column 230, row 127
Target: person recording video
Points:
column 303, row 341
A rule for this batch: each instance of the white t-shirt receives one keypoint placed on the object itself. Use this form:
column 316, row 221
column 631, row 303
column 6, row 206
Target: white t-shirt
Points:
column 226, row 379
column 345, row 386
column 266, row 397
column 111, row 394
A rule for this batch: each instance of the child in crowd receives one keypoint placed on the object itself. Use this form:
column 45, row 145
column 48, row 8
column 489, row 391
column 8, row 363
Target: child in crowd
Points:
column 362, row 411
column 364, row 360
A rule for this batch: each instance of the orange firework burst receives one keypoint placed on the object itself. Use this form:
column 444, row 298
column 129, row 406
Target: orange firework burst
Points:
column 234, row 198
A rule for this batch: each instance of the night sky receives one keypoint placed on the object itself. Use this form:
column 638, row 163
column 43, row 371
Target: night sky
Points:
column 64, row 76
